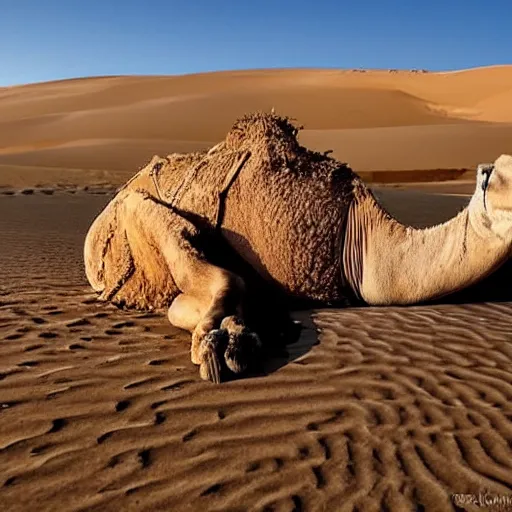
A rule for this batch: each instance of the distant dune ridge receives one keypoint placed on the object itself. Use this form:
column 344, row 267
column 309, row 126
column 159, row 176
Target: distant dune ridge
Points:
column 376, row 120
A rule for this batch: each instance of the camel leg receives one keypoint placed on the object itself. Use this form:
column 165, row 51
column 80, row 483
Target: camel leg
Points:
column 210, row 303
column 214, row 315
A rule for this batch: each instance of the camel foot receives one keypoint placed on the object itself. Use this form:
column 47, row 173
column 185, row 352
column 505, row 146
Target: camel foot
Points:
column 211, row 348
column 244, row 347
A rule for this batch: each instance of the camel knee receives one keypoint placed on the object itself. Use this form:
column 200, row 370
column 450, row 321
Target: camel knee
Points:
column 184, row 313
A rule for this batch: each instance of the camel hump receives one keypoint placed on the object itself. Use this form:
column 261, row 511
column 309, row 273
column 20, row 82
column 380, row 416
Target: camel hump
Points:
column 273, row 141
column 263, row 128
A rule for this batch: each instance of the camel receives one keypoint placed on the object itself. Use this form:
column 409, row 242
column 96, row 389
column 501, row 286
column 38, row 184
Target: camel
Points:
column 303, row 222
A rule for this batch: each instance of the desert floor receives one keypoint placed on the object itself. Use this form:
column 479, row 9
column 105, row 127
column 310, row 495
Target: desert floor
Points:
column 372, row 409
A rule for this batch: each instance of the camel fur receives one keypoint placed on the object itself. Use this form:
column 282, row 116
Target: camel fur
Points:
column 300, row 221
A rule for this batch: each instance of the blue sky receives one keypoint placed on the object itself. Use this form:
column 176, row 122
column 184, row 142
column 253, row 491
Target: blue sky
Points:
column 52, row 39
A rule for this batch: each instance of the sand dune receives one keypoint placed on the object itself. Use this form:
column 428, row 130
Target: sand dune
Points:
column 375, row 120
column 418, row 148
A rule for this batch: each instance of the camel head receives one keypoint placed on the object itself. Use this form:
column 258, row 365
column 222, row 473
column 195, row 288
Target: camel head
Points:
column 492, row 200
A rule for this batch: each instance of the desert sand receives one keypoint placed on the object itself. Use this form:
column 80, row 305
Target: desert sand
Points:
column 372, row 409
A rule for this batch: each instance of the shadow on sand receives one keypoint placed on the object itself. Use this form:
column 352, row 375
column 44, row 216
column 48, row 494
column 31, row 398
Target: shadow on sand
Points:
column 495, row 288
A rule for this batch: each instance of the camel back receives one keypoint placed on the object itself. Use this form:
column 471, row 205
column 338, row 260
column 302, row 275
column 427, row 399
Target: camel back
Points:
column 284, row 209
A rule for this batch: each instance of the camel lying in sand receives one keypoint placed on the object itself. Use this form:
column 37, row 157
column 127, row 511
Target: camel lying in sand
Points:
column 304, row 222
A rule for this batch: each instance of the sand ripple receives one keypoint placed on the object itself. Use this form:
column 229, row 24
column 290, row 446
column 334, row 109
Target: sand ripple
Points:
column 390, row 409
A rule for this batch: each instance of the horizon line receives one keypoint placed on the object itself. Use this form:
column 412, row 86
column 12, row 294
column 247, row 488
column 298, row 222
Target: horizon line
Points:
column 258, row 69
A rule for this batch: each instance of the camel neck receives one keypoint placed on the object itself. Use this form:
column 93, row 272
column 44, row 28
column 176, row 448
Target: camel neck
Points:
column 391, row 263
